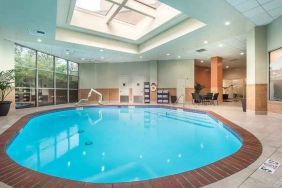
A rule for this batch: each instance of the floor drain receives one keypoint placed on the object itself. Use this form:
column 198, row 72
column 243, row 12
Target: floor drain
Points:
column 80, row 131
column 88, row 143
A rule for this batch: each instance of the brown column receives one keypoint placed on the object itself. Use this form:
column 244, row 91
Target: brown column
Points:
column 216, row 77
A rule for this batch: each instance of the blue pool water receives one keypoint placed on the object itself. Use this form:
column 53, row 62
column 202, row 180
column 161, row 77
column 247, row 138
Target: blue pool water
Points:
column 121, row 144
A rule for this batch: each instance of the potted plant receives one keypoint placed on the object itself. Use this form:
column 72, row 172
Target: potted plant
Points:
column 6, row 82
column 198, row 87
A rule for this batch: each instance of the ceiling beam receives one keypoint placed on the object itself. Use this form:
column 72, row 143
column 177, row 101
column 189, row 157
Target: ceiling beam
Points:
column 137, row 7
column 141, row 8
column 116, row 11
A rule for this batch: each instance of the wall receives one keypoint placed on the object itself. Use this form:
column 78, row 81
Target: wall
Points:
column 171, row 70
column 234, row 73
column 7, row 62
column 105, row 76
column 203, row 77
column 274, row 41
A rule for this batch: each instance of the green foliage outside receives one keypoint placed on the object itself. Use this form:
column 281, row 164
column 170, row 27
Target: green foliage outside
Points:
column 25, row 72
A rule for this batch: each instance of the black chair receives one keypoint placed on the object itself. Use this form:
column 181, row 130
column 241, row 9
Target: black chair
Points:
column 193, row 98
column 173, row 99
column 198, row 98
column 215, row 98
column 208, row 98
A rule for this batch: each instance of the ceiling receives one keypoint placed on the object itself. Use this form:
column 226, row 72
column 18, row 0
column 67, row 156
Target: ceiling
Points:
column 261, row 12
column 19, row 18
column 129, row 19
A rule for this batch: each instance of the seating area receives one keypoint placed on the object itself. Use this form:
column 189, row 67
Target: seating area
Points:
column 207, row 99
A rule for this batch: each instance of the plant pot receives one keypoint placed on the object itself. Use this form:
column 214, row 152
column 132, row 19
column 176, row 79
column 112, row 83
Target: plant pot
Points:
column 4, row 107
column 244, row 105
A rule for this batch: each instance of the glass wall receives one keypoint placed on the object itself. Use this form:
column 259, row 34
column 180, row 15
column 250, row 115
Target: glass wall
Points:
column 25, row 77
column 42, row 79
column 61, row 71
column 275, row 75
column 73, row 81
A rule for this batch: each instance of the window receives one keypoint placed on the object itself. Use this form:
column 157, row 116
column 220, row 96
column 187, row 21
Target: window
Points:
column 150, row 3
column 25, row 77
column 45, row 65
column 275, row 74
column 53, row 80
column 129, row 16
column 101, row 7
column 73, row 82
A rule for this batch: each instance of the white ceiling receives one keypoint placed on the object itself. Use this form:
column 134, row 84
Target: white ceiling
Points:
column 261, row 12
column 16, row 17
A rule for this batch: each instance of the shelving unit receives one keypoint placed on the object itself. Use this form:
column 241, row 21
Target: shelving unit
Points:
column 147, row 97
column 163, row 96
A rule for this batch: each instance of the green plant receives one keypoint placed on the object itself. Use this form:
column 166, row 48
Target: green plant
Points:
column 6, row 82
column 198, row 87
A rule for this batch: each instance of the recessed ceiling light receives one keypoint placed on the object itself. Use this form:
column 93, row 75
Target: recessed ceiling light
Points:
column 140, row 56
column 242, row 53
column 227, row 67
column 220, row 45
column 82, row 58
column 179, row 57
column 168, row 54
column 67, row 52
column 206, row 42
column 202, row 61
column 39, row 40
column 227, row 23
column 101, row 50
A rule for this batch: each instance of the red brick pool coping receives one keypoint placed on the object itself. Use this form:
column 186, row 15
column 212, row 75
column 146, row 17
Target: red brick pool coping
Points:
column 16, row 175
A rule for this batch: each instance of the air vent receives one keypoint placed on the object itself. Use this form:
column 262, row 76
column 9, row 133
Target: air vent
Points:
column 38, row 33
column 201, row 50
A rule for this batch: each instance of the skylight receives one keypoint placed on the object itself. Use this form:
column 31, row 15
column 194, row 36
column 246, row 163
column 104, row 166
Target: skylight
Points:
column 128, row 11
column 129, row 19
column 151, row 3
column 101, row 7
column 129, row 16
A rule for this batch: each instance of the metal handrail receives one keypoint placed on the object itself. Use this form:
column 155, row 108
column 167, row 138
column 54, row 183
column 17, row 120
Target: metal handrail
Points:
column 100, row 101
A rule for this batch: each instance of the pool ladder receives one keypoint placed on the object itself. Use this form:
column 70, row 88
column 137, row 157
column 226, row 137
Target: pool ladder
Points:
column 100, row 101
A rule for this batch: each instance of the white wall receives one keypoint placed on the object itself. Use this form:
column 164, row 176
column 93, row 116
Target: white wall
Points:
column 165, row 73
column 172, row 70
column 7, row 62
column 257, row 62
column 274, row 30
column 7, row 55
column 234, row 73
column 106, row 75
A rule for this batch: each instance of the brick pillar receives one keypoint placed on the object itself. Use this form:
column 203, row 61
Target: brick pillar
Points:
column 216, row 77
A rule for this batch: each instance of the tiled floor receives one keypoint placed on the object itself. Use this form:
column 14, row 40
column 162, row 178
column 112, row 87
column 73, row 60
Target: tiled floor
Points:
column 267, row 128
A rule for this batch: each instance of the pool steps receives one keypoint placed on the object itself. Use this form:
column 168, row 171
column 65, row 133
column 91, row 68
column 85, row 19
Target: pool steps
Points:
column 207, row 123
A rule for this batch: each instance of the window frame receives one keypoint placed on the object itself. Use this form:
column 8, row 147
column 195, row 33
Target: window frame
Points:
column 53, row 71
